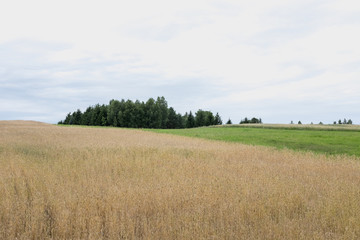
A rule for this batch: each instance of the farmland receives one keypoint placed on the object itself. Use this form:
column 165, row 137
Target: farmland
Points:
column 328, row 139
column 61, row 182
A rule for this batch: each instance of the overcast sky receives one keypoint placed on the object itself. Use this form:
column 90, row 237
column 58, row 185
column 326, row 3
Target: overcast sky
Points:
column 278, row 60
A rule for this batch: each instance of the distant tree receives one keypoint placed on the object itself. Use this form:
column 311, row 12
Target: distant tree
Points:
column 200, row 118
column 115, row 122
column 139, row 114
column 71, row 121
column 320, row 123
column 255, row 120
column 103, row 115
column 162, row 107
column 190, row 121
column 299, row 122
column 339, row 121
column 86, row 116
column 229, row 121
column 120, row 119
column 152, row 114
column 77, row 117
column 128, row 115
column 217, row 120
column 204, row 118
column 185, row 119
column 292, row 122
column 334, row 123
column 113, row 111
column 209, row 118
column 96, row 117
column 172, row 121
column 67, row 119
column 252, row 120
column 103, row 121
column 180, row 121
column 349, row 121
column 74, row 118
column 345, row 121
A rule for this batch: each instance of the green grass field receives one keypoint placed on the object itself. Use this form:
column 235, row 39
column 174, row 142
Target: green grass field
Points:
column 321, row 139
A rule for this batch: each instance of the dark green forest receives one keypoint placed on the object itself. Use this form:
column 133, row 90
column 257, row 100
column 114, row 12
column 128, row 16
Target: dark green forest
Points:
column 150, row 114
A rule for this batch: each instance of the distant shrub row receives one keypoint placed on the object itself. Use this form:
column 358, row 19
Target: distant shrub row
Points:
column 335, row 122
column 344, row 122
column 247, row 120
column 150, row 114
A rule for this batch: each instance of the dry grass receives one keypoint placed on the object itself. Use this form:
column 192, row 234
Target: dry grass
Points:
column 94, row 183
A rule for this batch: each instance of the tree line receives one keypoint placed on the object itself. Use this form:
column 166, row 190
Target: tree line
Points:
column 150, row 114
column 247, row 121
column 343, row 122
column 335, row 122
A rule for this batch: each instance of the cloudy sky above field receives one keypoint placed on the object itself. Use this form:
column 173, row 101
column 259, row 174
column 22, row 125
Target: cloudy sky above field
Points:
column 278, row 60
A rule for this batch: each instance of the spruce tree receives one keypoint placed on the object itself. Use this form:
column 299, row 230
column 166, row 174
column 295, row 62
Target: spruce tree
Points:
column 86, row 116
column 67, row 119
column 180, row 121
column 77, row 117
column 190, row 121
column 217, row 120
column 172, row 121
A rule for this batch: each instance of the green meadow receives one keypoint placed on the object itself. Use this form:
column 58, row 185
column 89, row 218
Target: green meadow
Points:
column 317, row 138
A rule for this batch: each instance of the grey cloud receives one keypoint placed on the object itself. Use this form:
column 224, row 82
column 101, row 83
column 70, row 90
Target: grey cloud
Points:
column 30, row 78
column 32, row 87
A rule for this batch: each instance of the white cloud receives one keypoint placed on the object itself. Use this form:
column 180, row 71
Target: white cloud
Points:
column 232, row 52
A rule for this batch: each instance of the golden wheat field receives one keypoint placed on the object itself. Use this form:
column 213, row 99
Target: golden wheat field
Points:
column 106, row 183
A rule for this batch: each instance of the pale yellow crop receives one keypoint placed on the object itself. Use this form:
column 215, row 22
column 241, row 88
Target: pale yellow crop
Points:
column 97, row 183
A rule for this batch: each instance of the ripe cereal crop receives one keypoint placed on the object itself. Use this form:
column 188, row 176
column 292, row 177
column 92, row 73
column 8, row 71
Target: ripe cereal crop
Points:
column 110, row 183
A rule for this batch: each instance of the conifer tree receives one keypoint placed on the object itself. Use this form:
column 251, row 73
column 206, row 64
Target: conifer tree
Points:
column 190, row 121
column 77, row 117
column 67, row 119
column 172, row 121
column 217, row 120
column 86, row 116
column 180, row 121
